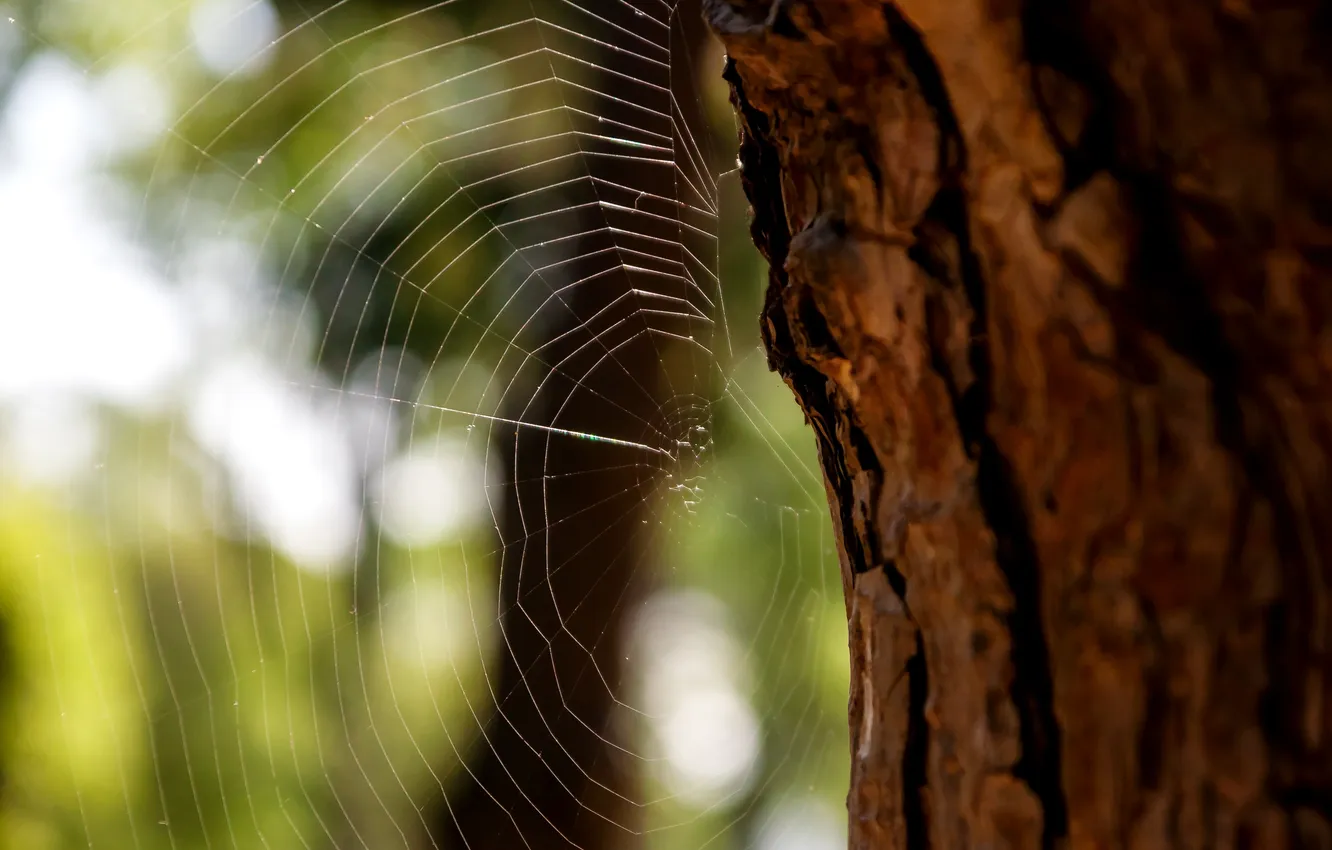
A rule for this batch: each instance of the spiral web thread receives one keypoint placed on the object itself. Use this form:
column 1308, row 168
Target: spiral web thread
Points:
column 503, row 272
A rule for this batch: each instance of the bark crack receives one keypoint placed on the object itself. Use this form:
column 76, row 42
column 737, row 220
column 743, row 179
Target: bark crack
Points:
column 1001, row 502
column 915, row 754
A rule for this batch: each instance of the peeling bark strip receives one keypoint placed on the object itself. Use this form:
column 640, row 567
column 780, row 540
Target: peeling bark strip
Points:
column 1051, row 280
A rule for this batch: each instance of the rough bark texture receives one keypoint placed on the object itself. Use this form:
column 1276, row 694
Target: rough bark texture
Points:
column 1051, row 280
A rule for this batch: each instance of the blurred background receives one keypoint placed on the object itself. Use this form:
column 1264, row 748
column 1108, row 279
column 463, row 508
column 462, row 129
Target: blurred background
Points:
column 388, row 458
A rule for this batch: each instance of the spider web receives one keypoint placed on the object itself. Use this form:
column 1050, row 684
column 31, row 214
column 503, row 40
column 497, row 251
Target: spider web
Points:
column 472, row 517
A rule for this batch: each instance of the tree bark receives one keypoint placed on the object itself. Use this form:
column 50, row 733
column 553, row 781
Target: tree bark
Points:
column 1051, row 281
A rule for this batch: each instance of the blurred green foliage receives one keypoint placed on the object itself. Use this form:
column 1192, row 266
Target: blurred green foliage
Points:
column 168, row 679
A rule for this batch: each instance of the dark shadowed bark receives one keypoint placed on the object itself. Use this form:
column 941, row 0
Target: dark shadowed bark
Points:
column 1051, row 279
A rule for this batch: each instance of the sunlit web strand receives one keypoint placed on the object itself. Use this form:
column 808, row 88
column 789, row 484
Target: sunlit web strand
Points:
column 516, row 251
column 550, row 429
column 540, row 271
column 499, row 228
column 580, row 434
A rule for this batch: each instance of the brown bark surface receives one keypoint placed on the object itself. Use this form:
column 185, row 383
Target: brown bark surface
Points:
column 1052, row 280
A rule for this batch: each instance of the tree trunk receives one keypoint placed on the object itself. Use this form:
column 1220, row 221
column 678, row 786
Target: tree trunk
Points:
column 555, row 768
column 550, row 773
column 1051, row 280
